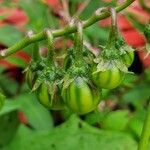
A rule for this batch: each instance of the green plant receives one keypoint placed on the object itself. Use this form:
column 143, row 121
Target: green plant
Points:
column 2, row 97
column 79, row 93
column 113, row 61
column 72, row 79
column 57, row 33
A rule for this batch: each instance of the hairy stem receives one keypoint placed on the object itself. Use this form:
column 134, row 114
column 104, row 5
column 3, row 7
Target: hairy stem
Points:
column 60, row 32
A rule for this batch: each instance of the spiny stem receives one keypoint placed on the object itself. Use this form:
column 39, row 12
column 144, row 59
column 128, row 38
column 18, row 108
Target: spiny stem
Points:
column 60, row 32
column 145, row 137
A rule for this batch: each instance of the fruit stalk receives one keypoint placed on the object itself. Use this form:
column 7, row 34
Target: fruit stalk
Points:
column 50, row 53
column 35, row 51
column 114, row 30
column 79, row 41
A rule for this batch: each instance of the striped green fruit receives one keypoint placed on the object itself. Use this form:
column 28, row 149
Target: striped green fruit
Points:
column 80, row 97
column 44, row 98
column 108, row 79
column 128, row 58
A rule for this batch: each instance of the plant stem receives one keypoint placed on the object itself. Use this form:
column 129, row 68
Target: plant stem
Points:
column 113, row 29
column 35, row 51
column 79, row 41
column 60, row 32
column 50, row 53
column 144, row 140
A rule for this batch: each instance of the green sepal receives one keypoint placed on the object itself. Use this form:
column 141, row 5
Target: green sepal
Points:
column 49, row 74
column 126, row 48
column 33, row 70
column 104, row 65
column 88, row 57
column 49, row 95
column 67, row 81
column 53, row 89
column 119, row 41
column 36, row 85
column 115, row 52
column 79, row 69
column 121, row 66
column 37, row 65
column 110, row 52
column 52, row 78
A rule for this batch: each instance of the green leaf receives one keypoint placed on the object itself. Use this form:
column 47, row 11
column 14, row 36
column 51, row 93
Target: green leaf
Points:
column 134, row 21
column 129, row 80
column 9, row 107
column 8, row 126
column 116, row 120
column 9, row 35
column 2, row 98
column 136, row 126
column 136, row 123
column 72, row 135
column 2, row 68
column 95, row 118
column 137, row 95
column 5, row 81
column 38, row 13
column 121, row 66
column 17, row 61
column 93, row 5
column 38, row 116
column 95, row 34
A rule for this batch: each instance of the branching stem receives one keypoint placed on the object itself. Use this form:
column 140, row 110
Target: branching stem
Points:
column 60, row 32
